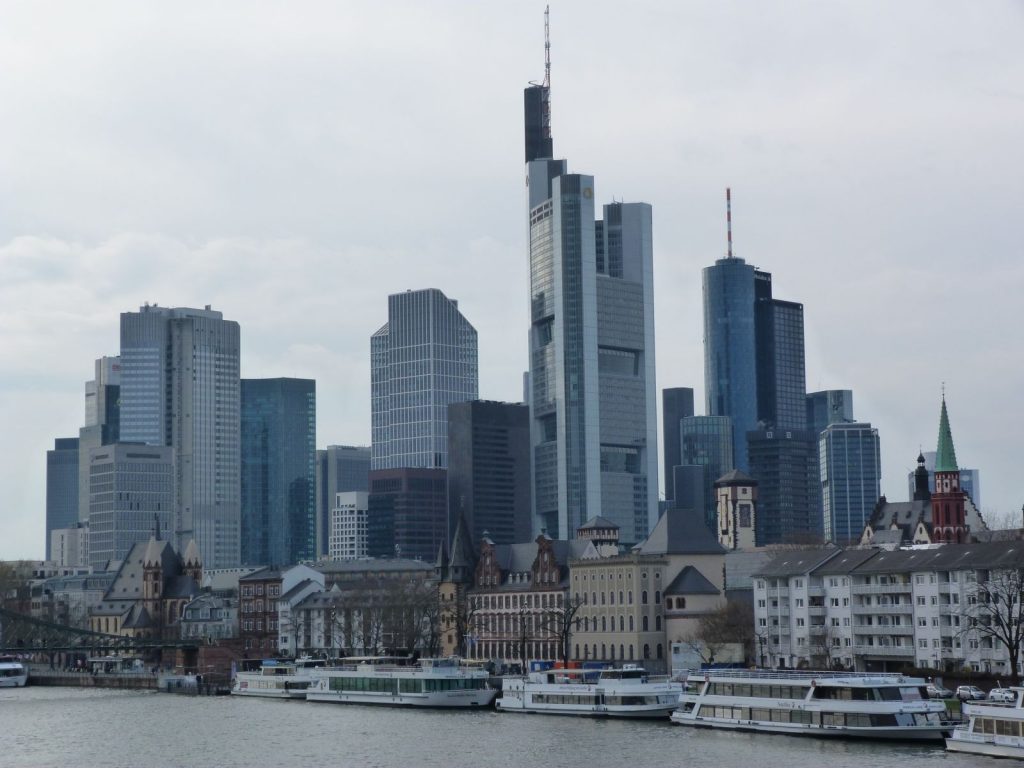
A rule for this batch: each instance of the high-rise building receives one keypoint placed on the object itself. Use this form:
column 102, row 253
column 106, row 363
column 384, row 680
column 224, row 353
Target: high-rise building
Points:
column 676, row 402
column 782, row 461
column 781, row 381
column 592, row 399
column 970, row 479
column 180, row 388
column 489, row 470
column 851, row 477
column 131, row 498
column 339, row 469
column 408, row 513
column 348, row 537
column 102, row 422
column 706, row 442
column 829, row 406
column 278, row 471
column 422, row 360
column 61, row 487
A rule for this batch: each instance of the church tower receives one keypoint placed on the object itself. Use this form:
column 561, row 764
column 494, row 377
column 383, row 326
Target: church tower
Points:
column 736, row 495
column 948, row 517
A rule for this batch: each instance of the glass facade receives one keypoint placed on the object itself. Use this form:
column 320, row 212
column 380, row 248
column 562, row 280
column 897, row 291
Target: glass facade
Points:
column 705, row 441
column 339, row 469
column 131, row 493
column 784, row 462
column 676, row 403
column 180, row 388
column 408, row 513
column 422, row 360
column 278, row 471
column 61, row 487
column 850, row 474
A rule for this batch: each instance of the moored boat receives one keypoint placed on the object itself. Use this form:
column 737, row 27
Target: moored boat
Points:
column 277, row 679
column 628, row 692
column 820, row 704
column 13, row 672
column 992, row 728
column 387, row 681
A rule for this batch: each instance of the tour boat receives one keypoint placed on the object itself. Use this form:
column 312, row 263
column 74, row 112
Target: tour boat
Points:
column 277, row 679
column 387, row 681
column 625, row 692
column 13, row 673
column 822, row 704
column 992, row 729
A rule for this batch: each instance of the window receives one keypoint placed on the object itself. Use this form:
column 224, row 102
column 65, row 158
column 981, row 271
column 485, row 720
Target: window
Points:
column 643, row 625
column 643, row 597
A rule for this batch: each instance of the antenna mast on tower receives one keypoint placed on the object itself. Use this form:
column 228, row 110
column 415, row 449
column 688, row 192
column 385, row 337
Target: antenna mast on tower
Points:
column 547, row 46
column 728, row 217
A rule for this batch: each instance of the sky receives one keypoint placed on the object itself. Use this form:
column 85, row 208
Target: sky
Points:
column 292, row 164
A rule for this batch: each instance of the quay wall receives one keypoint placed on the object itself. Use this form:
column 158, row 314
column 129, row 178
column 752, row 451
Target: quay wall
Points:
column 84, row 680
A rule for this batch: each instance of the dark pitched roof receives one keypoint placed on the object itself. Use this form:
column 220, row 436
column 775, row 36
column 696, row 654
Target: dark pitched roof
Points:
column 598, row 522
column 741, row 565
column 845, row 561
column 372, row 565
column 690, row 581
column 680, row 532
column 180, row 586
column 735, row 477
column 796, row 561
column 263, row 574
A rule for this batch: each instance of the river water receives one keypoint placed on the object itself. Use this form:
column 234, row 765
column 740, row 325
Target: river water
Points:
column 84, row 728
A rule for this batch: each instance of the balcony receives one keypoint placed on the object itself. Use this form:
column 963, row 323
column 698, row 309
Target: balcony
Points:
column 903, row 609
column 778, row 592
column 885, row 650
column 815, row 591
column 816, row 610
column 884, row 629
column 881, row 589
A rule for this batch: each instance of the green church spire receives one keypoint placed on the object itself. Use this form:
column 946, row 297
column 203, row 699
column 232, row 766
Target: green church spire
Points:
column 945, row 454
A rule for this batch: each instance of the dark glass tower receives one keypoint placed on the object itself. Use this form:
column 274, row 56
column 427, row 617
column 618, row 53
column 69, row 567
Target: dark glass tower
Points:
column 676, row 402
column 339, row 469
column 278, row 471
column 408, row 513
column 61, row 487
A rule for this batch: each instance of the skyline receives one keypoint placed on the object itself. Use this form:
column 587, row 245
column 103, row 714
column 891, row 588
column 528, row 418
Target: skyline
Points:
column 241, row 181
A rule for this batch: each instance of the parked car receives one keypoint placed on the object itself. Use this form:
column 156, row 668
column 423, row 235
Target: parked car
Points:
column 938, row 692
column 1003, row 695
column 970, row 693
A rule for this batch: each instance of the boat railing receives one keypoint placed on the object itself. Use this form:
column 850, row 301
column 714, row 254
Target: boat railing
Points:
column 789, row 674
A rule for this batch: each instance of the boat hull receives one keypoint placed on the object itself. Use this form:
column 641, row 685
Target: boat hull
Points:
column 896, row 733
column 471, row 699
column 15, row 681
column 653, row 713
column 980, row 747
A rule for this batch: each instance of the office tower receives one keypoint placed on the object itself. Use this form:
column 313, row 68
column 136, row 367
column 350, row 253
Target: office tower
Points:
column 347, row 539
column 180, row 388
column 408, row 513
column 830, row 406
column 592, row 400
column 339, row 469
column 970, row 480
column 422, row 360
column 851, row 477
column 278, row 471
column 102, row 422
column 61, row 487
column 779, row 337
column 131, row 495
column 782, row 461
column 706, row 442
column 690, row 489
column 676, row 402
column 489, row 471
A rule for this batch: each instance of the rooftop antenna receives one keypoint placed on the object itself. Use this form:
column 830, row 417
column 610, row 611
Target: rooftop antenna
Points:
column 728, row 217
column 547, row 46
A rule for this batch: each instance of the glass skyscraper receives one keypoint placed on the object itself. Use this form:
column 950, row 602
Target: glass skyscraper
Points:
column 180, row 388
column 423, row 359
column 705, row 441
column 676, row 402
column 339, row 469
column 592, row 393
column 278, row 471
column 61, row 487
column 850, row 479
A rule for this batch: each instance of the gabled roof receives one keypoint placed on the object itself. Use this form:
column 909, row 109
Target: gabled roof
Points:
column 680, row 532
column 304, row 584
column 735, row 477
column 742, row 564
column 139, row 618
column 690, row 581
column 793, row 562
column 264, row 574
column 181, row 585
column 598, row 522
column 845, row 561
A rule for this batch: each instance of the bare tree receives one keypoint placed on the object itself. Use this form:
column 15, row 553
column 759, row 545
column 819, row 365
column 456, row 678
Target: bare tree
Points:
column 995, row 611
column 560, row 622
column 822, row 646
column 731, row 624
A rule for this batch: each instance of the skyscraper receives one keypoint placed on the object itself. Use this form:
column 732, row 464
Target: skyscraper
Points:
column 339, row 469
column 783, row 463
column 592, row 400
column 676, row 402
column 422, row 360
column 180, row 388
column 61, row 487
column 850, row 474
column 489, row 470
column 278, row 470
column 102, row 422
column 829, row 406
column 408, row 513
column 705, row 442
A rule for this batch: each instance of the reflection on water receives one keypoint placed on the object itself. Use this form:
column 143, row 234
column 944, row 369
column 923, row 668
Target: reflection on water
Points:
column 85, row 728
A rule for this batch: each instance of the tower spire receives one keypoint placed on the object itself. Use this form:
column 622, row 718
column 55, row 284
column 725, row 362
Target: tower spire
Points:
column 547, row 46
column 945, row 453
column 728, row 217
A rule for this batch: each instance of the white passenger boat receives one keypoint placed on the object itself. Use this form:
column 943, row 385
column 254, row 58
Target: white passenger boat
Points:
column 626, row 692
column 277, row 679
column 13, row 673
column 822, row 704
column 992, row 729
column 429, row 683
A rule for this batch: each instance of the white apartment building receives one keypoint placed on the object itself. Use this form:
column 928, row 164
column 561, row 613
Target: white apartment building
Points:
column 347, row 538
column 876, row 610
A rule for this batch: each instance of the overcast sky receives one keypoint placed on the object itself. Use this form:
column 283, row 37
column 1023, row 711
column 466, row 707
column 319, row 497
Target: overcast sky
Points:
column 293, row 163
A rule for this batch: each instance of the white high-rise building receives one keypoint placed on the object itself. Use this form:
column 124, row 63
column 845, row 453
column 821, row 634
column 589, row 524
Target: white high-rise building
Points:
column 592, row 389
column 180, row 387
column 348, row 526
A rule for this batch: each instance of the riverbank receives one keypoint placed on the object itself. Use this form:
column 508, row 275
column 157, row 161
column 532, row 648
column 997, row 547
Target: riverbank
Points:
column 85, row 680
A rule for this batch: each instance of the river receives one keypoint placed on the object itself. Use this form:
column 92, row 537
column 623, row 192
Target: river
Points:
column 83, row 728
